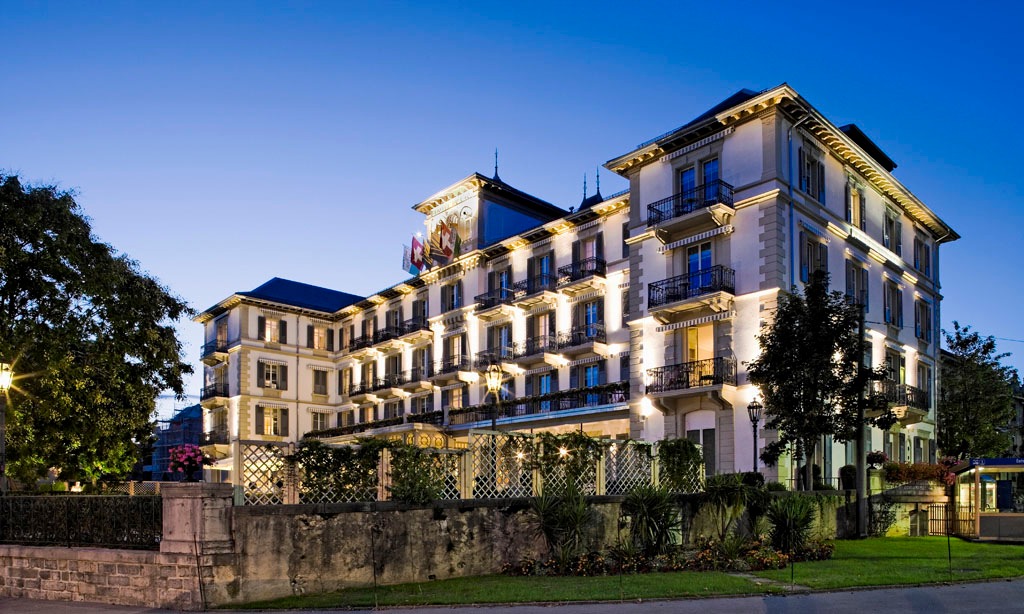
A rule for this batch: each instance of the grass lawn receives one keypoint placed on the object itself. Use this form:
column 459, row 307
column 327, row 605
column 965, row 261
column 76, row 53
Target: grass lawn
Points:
column 905, row 560
column 871, row 562
column 506, row 589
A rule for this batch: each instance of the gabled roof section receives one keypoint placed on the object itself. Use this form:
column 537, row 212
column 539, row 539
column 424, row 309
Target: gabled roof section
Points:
column 738, row 98
column 303, row 296
column 476, row 181
column 857, row 136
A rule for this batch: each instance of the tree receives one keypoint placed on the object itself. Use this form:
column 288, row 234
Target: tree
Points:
column 90, row 336
column 975, row 396
column 808, row 371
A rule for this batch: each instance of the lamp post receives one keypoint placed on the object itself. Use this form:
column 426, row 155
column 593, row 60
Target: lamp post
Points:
column 754, row 413
column 6, row 377
column 494, row 377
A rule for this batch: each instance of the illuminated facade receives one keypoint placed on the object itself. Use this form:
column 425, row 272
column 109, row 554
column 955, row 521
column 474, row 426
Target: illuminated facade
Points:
column 629, row 316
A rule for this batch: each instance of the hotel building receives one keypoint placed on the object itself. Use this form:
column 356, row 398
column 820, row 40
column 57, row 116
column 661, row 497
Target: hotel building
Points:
column 626, row 316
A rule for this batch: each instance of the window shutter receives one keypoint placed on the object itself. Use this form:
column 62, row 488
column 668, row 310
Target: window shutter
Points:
column 465, row 396
column 823, row 257
column 602, row 372
column 917, row 319
column 599, row 245
column 309, row 335
column 899, row 238
column 330, row 339
column 554, row 381
column 531, row 326
column 600, row 311
column 531, row 270
column 575, row 251
column 260, row 374
column 574, row 377
column 863, row 210
column 801, row 183
column 864, row 290
column 849, row 205
column 284, row 421
column 851, row 286
column 282, row 377
column 259, row 420
column 821, row 183
column 577, row 315
column 529, row 385
column 460, row 299
column 551, row 323
column 803, row 257
column 261, row 328
column 917, row 253
column 899, row 308
column 282, row 335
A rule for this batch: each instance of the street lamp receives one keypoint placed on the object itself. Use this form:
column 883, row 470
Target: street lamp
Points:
column 754, row 413
column 6, row 377
column 494, row 377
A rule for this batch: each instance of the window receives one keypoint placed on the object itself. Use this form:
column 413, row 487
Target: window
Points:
column 369, row 373
column 499, row 342
column 319, row 381
column 924, row 380
column 588, row 320
column 422, row 368
column 346, row 418
column 393, row 320
column 345, row 382
column 369, row 325
column 857, row 284
column 320, row 421
column 455, row 398
column 922, row 256
column 710, row 168
column 892, row 232
column 272, row 330
column 625, row 307
column 625, row 235
column 896, row 367
column 813, row 256
column 272, row 421
column 366, row 414
column 221, row 329
column 856, row 211
column 893, row 304
column 451, row 296
column 624, row 367
column 812, row 173
column 705, row 438
column 422, row 404
column 319, row 337
column 918, row 450
column 393, row 409
column 923, row 320
column 271, row 375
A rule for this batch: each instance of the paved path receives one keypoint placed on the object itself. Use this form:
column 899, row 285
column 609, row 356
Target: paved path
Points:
column 1002, row 597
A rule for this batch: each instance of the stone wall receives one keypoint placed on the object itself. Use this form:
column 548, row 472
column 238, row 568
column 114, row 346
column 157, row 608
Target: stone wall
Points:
column 122, row 577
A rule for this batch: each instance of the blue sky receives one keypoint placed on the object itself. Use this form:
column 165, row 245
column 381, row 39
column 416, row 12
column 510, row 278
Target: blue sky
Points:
column 223, row 144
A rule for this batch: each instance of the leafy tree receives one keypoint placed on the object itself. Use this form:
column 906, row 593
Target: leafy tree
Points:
column 975, row 397
column 91, row 338
column 808, row 371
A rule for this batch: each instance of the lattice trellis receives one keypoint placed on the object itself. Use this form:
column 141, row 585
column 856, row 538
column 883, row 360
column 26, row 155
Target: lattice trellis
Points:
column 557, row 479
column 450, row 467
column 627, row 466
column 264, row 473
column 500, row 466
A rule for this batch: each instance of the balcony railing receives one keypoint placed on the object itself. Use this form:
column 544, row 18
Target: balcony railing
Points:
column 211, row 391
column 498, row 296
column 387, row 333
column 219, row 345
column 705, row 281
column 584, row 333
column 536, row 345
column 417, row 374
column 496, row 355
column 390, row 380
column 363, row 387
column 414, row 324
column 902, row 394
column 453, row 364
column 709, row 372
column 594, row 396
column 580, row 269
column 434, row 416
column 534, row 285
column 360, row 342
column 691, row 200
column 218, row 435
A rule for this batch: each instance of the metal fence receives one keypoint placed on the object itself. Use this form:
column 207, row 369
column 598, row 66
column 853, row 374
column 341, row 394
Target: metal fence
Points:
column 951, row 520
column 109, row 521
column 492, row 465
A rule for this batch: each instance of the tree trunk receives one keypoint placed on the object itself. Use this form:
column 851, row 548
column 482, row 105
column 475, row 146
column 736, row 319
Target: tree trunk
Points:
column 809, row 446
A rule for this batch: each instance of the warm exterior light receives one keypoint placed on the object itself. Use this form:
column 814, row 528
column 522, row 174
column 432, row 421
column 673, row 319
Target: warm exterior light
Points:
column 754, row 411
column 493, row 377
column 563, row 452
column 6, row 377
column 520, row 456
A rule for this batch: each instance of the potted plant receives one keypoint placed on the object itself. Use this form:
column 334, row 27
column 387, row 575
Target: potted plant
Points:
column 877, row 458
column 188, row 459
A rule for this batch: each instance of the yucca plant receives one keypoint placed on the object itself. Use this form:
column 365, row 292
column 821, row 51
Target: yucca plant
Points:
column 653, row 518
column 791, row 519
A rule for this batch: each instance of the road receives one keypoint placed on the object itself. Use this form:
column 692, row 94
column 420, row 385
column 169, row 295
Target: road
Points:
column 978, row 598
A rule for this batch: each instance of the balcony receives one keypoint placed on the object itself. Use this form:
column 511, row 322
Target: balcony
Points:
column 216, row 394
column 691, row 375
column 497, row 356
column 908, row 403
column 360, row 346
column 390, row 385
column 692, row 207
column 218, row 436
column 582, row 275
column 453, row 368
column 417, row 379
column 388, row 337
column 434, row 416
column 535, row 290
column 215, row 352
column 537, row 349
column 363, row 391
column 541, row 405
column 415, row 329
column 698, row 289
column 487, row 304
column 582, row 339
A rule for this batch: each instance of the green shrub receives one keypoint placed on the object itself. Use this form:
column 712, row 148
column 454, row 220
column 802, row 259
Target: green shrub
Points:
column 791, row 519
column 848, row 477
column 775, row 487
column 653, row 519
column 679, row 464
column 563, row 519
column 416, row 476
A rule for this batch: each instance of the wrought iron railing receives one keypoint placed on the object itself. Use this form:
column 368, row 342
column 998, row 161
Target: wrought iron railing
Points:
column 898, row 394
column 582, row 334
column 218, row 435
column 705, row 281
column 493, row 298
column 534, row 285
column 580, row 269
column 691, row 200
column 414, row 324
column 434, row 416
column 217, row 345
column 390, row 380
column 387, row 333
column 417, row 374
column 488, row 357
column 453, row 364
column 709, row 372
column 576, row 398
column 536, row 345
column 108, row 521
column 364, row 387
column 360, row 342
column 209, row 391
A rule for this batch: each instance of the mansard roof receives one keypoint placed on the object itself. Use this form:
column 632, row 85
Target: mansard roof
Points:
column 303, row 296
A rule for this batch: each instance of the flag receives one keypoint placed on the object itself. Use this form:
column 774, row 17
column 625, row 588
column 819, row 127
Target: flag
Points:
column 418, row 258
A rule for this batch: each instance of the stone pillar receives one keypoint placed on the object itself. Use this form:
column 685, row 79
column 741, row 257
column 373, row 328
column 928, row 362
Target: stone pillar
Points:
column 197, row 515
